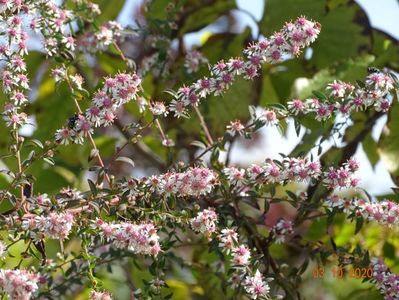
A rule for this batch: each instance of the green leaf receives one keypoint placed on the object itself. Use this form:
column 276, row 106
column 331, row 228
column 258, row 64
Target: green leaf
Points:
column 109, row 9
column 93, row 187
column 198, row 144
column 50, row 161
column 37, row 143
column 389, row 250
column 388, row 146
column 205, row 15
column 320, row 95
column 386, row 49
column 126, row 160
column 359, row 224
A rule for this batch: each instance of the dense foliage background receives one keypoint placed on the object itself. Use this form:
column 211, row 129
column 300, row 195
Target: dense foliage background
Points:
column 156, row 47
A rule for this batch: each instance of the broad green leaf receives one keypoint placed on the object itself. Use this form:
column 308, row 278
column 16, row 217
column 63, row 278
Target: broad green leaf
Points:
column 205, row 15
column 386, row 49
column 388, row 145
column 109, row 9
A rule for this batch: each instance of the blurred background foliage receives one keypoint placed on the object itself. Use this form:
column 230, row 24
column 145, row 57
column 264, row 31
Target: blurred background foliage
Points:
column 347, row 46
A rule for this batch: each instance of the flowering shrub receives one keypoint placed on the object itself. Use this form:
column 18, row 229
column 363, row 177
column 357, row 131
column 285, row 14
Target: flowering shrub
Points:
column 79, row 208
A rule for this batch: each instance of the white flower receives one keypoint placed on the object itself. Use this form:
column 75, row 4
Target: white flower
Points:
column 205, row 222
column 138, row 238
column 95, row 295
column 18, row 284
column 256, row 287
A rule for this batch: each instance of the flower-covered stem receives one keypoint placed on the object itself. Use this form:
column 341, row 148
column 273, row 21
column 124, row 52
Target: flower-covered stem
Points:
column 384, row 212
column 386, row 281
column 374, row 93
column 262, row 246
column 92, row 142
column 289, row 41
column 203, row 125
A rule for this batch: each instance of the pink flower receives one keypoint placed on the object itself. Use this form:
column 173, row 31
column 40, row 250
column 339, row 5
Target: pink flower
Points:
column 96, row 295
column 241, row 255
column 205, row 222
column 281, row 230
column 235, row 127
column 138, row 238
column 255, row 286
column 54, row 225
column 19, row 284
column 269, row 117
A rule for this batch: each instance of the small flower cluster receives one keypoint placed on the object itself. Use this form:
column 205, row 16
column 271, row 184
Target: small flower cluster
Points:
column 95, row 295
column 53, row 23
column 15, row 81
column 147, row 63
column 39, row 203
column 273, row 171
column 193, row 60
column 385, row 280
column 281, row 230
column 255, row 286
column 235, row 175
column 288, row 41
column 19, row 284
column 346, row 98
column 101, row 39
column 342, row 177
column 205, row 222
column 138, row 238
column 383, row 212
column 45, row 17
column 54, row 225
column 158, row 108
column 193, row 182
column 344, row 204
column 153, row 60
column 116, row 91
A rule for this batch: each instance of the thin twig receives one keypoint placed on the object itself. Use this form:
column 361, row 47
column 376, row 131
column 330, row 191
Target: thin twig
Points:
column 18, row 155
column 203, row 124
column 121, row 53
column 158, row 124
